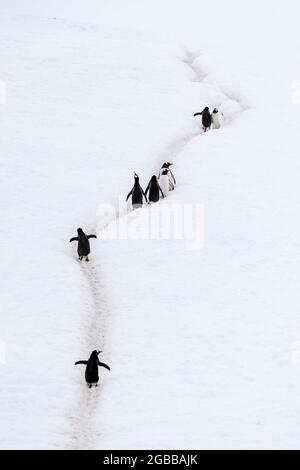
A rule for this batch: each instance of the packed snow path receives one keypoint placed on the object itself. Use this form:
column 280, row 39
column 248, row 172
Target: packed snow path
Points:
column 86, row 408
column 84, row 434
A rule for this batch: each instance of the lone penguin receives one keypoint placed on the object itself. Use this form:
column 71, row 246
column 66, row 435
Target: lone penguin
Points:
column 166, row 166
column 83, row 249
column 91, row 370
column 137, row 194
column 206, row 118
column 216, row 119
column 165, row 182
column 154, row 190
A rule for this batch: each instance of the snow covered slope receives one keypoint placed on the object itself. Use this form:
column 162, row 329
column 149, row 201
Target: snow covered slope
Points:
column 200, row 343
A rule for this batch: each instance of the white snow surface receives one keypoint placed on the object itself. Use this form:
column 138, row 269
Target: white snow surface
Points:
column 202, row 344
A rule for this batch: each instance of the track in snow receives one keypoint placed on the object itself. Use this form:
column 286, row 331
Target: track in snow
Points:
column 200, row 75
column 83, row 413
column 84, row 434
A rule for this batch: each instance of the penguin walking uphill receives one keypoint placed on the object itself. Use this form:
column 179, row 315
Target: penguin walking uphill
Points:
column 83, row 249
column 165, row 182
column 137, row 194
column 216, row 118
column 91, row 370
column 166, row 167
column 154, row 190
column 206, row 118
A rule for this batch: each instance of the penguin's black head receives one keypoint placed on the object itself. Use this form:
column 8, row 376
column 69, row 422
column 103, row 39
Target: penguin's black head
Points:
column 94, row 354
column 80, row 232
column 215, row 111
column 167, row 165
column 153, row 179
column 136, row 177
column 206, row 109
column 165, row 172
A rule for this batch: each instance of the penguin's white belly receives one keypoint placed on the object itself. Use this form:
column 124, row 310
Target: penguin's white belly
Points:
column 216, row 121
column 164, row 183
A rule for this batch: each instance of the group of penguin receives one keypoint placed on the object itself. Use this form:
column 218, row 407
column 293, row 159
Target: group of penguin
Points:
column 209, row 119
column 158, row 187
column 93, row 363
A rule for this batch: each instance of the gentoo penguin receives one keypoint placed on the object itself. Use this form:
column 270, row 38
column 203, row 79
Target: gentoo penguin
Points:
column 206, row 118
column 154, row 190
column 137, row 193
column 91, row 371
column 216, row 119
column 166, row 166
column 165, row 182
column 83, row 249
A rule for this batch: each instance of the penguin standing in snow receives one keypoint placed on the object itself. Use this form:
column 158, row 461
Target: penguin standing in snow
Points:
column 137, row 194
column 91, row 371
column 154, row 190
column 166, row 166
column 216, row 119
column 83, row 249
column 206, row 118
column 165, row 182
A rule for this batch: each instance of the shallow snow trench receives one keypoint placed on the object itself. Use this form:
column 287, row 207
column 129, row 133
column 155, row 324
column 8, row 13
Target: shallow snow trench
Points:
column 84, row 434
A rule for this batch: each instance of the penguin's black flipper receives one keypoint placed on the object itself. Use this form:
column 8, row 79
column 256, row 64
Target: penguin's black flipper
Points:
column 173, row 177
column 91, row 236
column 198, row 114
column 129, row 195
column 81, row 362
column 101, row 364
column 161, row 192
column 74, row 239
column 145, row 195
